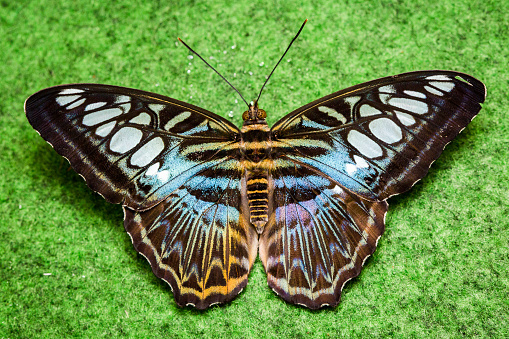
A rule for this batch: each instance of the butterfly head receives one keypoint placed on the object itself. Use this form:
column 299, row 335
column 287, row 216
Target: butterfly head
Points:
column 254, row 115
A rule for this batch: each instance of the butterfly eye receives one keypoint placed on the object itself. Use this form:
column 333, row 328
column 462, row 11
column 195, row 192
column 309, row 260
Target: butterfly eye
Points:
column 245, row 115
column 262, row 114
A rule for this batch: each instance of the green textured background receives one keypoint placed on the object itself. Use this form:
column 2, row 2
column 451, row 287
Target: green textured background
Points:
column 441, row 268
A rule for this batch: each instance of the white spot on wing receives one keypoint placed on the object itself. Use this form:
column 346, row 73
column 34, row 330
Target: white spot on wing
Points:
column 148, row 152
column 71, row 91
column 122, row 98
column 125, row 139
column 105, row 129
column 141, row 119
column 438, row 77
column 405, row 119
column 411, row 105
column 76, row 104
column 352, row 100
column 387, row 89
column 126, row 107
column 444, row 86
column 94, row 105
column 156, row 107
column 179, row 118
column 384, row 97
column 368, row 110
column 65, row 100
column 163, row 175
column 415, row 94
column 433, row 91
column 152, row 170
column 386, row 130
column 333, row 113
column 360, row 161
column 95, row 118
column 337, row 190
column 364, row 144
column 350, row 169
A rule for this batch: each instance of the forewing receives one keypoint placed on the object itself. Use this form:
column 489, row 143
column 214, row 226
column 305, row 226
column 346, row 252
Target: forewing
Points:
column 199, row 239
column 378, row 138
column 318, row 235
column 132, row 147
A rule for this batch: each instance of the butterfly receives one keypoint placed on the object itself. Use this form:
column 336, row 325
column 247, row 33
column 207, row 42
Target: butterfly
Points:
column 202, row 198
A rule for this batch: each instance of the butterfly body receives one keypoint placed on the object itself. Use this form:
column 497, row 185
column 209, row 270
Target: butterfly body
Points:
column 202, row 198
column 256, row 151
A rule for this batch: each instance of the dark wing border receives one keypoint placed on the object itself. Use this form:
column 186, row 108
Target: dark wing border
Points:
column 227, row 125
column 281, row 123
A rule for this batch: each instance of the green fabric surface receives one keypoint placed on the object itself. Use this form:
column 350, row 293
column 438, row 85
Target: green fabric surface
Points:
column 68, row 268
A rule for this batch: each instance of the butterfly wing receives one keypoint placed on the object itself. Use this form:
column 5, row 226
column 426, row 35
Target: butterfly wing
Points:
column 173, row 166
column 349, row 152
column 111, row 135
column 380, row 137
column 318, row 236
column 199, row 238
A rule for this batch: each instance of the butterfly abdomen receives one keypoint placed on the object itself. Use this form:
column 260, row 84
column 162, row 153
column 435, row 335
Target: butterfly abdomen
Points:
column 258, row 197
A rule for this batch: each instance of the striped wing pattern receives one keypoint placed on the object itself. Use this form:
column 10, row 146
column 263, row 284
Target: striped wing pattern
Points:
column 338, row 159
column 198, row 239
column 200, row 196
column 318, row 236
column 380, row 137
column 155, row 154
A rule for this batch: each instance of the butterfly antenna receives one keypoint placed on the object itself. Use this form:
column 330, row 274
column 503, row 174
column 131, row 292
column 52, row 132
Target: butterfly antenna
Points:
column 206, row 63
column 296, row 36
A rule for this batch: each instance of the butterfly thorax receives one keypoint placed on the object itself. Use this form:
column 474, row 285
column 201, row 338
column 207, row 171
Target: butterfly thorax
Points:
column 256, row 146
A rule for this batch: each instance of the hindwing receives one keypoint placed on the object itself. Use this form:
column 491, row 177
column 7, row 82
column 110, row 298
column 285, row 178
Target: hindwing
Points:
column 318, row 236
column 199, row 238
